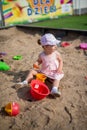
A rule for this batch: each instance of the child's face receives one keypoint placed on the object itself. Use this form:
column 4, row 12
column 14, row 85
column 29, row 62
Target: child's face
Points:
column 49, row 48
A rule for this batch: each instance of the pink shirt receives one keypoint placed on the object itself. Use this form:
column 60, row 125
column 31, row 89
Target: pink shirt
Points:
column 50, row 64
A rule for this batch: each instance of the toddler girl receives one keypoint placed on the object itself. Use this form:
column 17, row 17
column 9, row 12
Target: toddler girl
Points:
column 50, row 61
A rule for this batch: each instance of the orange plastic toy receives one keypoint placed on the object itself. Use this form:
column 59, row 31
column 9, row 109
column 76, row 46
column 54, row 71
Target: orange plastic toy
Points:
column 35, row 66
column 12, row 108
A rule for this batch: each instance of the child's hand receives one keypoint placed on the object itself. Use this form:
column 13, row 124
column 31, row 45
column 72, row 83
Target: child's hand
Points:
column 59, row 71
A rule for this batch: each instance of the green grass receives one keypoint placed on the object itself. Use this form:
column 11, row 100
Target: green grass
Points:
column 69, row 22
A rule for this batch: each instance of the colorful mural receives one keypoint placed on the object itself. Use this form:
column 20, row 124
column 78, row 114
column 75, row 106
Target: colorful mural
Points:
column 27, row 11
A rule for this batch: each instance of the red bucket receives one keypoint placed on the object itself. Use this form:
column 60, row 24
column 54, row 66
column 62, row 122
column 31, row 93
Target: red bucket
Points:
column 38, row 89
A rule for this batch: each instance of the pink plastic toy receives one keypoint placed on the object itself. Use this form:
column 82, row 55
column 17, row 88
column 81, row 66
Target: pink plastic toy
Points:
column 12, row 108
column 83, row 46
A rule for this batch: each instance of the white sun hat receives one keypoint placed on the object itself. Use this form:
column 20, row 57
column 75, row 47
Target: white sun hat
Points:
column 49, row 39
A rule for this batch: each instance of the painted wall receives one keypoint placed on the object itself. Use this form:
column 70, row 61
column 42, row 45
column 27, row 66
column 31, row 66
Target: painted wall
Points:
column 27, row 11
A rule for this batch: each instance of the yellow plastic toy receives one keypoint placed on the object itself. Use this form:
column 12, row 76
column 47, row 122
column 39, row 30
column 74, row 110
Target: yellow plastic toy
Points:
column 41, row 77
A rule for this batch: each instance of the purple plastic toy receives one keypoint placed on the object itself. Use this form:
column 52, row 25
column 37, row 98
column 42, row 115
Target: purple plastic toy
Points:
column 3, row 53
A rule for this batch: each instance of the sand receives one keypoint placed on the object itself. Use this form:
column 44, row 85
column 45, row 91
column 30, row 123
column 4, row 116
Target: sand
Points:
column 68, row 112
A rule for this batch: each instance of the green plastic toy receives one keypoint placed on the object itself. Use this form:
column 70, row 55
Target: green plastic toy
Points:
column 18, row 57
column 4, row 66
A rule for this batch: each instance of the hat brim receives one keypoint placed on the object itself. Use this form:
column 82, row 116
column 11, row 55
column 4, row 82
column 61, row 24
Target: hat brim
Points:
column 51, row 43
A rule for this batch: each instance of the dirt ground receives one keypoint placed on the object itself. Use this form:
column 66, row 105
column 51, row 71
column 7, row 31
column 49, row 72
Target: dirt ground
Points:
column 68, row 112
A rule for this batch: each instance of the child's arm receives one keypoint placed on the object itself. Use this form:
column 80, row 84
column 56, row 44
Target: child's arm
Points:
column 60, row 63
column 37, row 63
